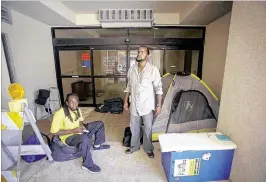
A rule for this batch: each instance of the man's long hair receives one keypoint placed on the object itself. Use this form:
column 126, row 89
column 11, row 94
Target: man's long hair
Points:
column 66, row 110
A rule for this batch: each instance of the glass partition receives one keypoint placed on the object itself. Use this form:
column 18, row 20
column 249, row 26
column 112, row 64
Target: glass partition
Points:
column 107, row 88
column 110, row 62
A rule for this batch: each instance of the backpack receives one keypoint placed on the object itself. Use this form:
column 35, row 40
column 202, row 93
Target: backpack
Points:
column 114, row 106
column 43, row 95
column 127, row 137
column 32, row 140
column 62, row 152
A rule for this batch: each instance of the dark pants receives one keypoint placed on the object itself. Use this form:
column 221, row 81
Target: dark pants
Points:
column 84, row 141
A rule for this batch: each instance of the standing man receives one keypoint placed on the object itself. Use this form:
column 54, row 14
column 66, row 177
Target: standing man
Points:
column 144, row 81
column 68, row 124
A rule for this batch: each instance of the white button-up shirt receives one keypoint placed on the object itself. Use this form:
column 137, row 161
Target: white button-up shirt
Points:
column 142, row 87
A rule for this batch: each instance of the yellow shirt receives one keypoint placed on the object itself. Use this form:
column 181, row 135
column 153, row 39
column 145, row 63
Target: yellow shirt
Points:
column 62, row 122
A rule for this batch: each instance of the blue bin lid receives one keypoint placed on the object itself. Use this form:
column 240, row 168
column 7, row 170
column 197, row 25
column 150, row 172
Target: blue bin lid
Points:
column 180, row 142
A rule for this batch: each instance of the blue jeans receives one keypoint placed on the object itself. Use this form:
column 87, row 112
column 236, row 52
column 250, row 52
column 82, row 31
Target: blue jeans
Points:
column 135, row 124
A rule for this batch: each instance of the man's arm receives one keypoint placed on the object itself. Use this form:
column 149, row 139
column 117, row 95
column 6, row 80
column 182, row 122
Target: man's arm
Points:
column 127, row 91
column 157, row 84
column 126, row 97
column 66, row 132
column 159, row 100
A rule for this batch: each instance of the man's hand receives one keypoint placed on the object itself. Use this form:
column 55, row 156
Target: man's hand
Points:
column 126, row 106
column 158, row 110
column 78, row 129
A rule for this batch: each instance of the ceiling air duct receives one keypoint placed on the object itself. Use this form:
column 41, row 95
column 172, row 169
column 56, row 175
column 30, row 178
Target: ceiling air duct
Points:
column 121, row 18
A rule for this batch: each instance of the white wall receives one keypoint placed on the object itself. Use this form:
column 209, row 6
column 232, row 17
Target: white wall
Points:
column 61, row 9
column 243, row 105
column 216, row 41
column 32, row 52
column 88, row 19
column 166, row 18
column 5, row 81
column 186, row 11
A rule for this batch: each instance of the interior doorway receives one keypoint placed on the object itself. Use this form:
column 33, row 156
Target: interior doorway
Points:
column 93, row 62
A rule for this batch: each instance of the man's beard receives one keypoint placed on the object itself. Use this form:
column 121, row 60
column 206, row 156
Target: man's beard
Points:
column 139, row 59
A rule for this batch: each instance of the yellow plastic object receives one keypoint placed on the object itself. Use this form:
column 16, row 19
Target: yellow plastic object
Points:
column 3, row 127
column 14, row 173
column 16, row 91
column 3, row 179
column 16, row 118
column 155, row 136
column 17, row 105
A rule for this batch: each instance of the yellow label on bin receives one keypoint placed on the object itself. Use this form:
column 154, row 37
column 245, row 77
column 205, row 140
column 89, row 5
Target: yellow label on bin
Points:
column 186, row 167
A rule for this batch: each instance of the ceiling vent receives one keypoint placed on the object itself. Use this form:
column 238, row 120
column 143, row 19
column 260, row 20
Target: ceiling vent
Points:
column 6, row 14
column 114, row 18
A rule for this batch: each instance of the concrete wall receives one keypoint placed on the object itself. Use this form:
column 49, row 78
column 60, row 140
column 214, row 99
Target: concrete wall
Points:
column 243, row 104
column 215, row 53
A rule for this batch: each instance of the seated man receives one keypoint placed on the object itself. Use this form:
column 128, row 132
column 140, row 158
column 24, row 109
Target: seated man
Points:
column 68, row 124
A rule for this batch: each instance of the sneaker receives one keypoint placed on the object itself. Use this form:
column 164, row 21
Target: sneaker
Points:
column 101, row 147
column 93, row 169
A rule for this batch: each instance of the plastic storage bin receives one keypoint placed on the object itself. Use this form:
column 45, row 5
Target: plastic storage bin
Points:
column 196, row 157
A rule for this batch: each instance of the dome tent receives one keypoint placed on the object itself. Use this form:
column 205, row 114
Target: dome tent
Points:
column 189, row 105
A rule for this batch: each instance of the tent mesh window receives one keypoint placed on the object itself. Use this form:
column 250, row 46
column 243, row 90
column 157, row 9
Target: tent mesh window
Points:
column 190, row 106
